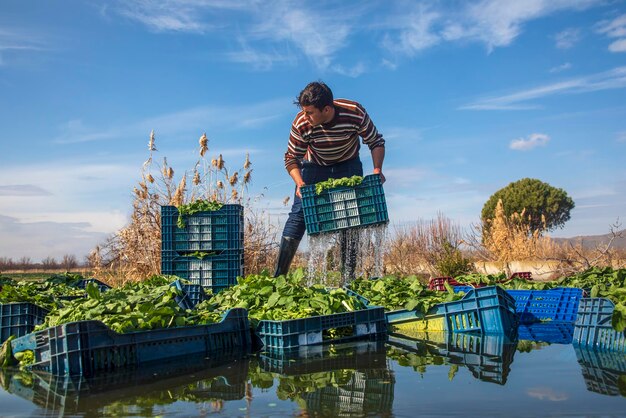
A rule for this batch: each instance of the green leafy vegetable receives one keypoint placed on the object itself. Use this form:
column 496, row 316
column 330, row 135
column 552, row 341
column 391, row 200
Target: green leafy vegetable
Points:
column 333, row 183
column 402, row 293
column 194, row 207
column 281, row 298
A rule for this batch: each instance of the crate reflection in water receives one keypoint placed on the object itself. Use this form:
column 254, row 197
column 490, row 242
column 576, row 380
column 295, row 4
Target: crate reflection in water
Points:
column 135, row 392
column 604, row 372
column 487, row 357
column 344, row 380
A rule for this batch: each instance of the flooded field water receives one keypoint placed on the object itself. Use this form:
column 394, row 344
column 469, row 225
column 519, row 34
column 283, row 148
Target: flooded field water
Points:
column 444, row 375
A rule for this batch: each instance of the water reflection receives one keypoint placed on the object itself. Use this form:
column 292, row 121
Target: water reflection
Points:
column 549, row 332
column 138, row 392
column 604, row 372
column 339, row 381
column 354, row 379
column 487, row 357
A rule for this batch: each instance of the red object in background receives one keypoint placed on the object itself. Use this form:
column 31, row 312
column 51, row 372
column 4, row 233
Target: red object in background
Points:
column 526, row 275
column 437, row 283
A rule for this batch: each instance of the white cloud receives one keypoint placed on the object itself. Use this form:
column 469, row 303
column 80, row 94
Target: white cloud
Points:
column 621, row 137
column 318, row 32
column 618, row 46
column 41, row 239
column 354, row 71
column 612, row 79
column 567, row 38
column 562, row 67
column 417, row 31
column 186, row 122
column 531, row 142
column 22, row 190
column 259, row 60
column 494, row 23
column 19, row 41
column 615, row 28
column 177, row 15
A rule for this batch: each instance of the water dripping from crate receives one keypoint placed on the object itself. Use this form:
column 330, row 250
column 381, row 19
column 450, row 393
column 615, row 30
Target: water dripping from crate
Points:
column 359, row 251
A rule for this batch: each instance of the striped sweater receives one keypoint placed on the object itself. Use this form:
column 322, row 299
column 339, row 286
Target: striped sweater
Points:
column 335, row 141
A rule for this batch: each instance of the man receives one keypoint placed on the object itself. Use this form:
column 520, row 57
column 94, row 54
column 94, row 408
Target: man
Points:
column 324, row 143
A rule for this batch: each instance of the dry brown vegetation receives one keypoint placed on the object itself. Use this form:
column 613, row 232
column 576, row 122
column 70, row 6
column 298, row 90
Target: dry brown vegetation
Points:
column 436, row 247
column 134, row 253
column 433, row 247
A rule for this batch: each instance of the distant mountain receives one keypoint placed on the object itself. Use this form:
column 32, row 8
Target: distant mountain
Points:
column 592, row 241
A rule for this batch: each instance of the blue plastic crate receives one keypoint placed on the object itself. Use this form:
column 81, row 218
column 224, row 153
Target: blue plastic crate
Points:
column 216, row 272
column 19, row 319
column 593, row 326
column 465, row 289
column 89, row 347
column 486, row 310
column 204, row 231
column 192, row 294
column 560, row 304
column 295, row 333
column 344, row 207
column 547, row 332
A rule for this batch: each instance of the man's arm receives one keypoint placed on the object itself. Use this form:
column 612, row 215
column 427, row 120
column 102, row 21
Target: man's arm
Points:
column 296, row 175
column 378, row 156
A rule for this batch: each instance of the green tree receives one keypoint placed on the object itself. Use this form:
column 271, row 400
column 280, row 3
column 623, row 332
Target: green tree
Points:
column 535, row 199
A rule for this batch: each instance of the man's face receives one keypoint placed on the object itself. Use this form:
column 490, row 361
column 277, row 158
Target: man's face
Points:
column 315, row 116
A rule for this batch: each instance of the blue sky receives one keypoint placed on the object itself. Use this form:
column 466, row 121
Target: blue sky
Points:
column 470, row 95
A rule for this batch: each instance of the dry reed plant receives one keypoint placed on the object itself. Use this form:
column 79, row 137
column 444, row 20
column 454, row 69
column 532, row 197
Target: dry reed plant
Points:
column 573, row 257
column 507, row 239
column 424, row 247
column 134, row 253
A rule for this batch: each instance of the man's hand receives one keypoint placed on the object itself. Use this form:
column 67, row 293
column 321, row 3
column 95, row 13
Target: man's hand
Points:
column 379, row 171
column 298, row 185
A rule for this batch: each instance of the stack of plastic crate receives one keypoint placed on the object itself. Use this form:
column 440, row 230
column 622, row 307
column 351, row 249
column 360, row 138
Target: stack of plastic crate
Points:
column 208, row 250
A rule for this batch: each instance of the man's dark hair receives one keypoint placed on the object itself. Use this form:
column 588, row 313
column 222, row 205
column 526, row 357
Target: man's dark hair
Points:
column 317, row 94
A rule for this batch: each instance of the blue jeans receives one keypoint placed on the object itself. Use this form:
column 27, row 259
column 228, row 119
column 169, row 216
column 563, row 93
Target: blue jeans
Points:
column 311, row 174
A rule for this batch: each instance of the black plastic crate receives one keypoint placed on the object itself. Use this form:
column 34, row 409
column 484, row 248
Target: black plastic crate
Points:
column 191, row 294
column 204, row 231
column 19, row 319
column 89, row 347
column 216, row 272
column 295, row 333
column 344, row 207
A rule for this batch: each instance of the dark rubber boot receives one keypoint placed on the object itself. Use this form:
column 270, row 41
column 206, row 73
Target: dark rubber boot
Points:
column 349, row 243
column 288, row 248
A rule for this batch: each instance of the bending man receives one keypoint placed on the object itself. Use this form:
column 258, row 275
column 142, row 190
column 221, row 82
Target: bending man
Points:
column 324, row 143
